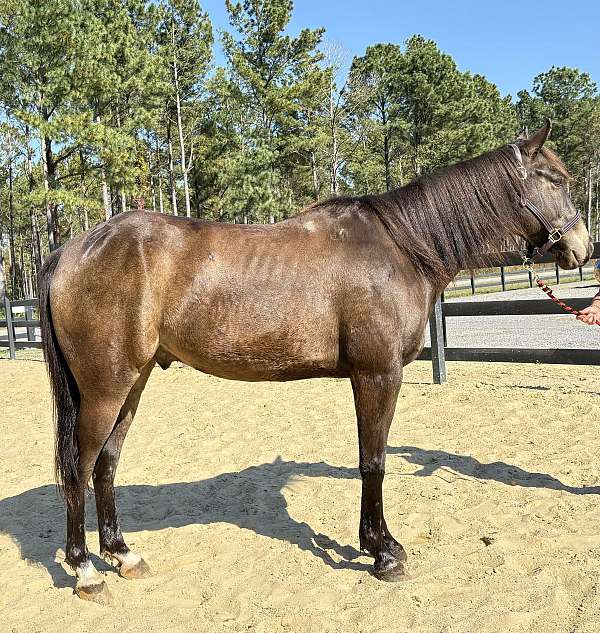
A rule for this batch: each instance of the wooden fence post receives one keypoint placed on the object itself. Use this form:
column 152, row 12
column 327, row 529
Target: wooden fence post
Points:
column 10, row 328
column 29, row 317
column 502, row 278
column 436, row 334
column 442, row 299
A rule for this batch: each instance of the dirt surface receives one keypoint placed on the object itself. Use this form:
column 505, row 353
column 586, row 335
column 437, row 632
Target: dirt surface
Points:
column 244, row 499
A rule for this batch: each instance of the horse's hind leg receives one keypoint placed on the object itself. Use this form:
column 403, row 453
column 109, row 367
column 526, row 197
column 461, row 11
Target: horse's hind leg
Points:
column 112, row 543
column 95, row 421
column 375, row 399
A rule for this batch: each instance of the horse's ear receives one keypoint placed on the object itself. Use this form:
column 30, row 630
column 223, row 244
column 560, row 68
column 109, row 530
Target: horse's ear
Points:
column 534, row 144
column 523, row 135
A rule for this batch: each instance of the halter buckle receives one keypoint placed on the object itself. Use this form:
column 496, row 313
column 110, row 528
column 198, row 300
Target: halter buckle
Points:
column 522, row 172
column 555, row 236
column 527, row 263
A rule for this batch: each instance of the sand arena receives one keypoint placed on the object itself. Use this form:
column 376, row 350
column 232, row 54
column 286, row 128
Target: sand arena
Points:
column 244, row 499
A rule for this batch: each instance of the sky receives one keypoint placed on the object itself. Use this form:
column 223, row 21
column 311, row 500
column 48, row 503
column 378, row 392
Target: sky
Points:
column 509, row 42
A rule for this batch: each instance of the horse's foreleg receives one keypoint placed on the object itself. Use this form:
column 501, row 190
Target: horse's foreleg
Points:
column 112, row 543
column 95, row 421
column 375, row 399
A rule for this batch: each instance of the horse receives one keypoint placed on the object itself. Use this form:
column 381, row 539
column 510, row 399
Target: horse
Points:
column 343, row 289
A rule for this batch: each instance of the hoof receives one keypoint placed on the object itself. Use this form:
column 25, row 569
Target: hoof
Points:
column 135, row 572
column 396, row 550
column 389, row 570
column 98, row 593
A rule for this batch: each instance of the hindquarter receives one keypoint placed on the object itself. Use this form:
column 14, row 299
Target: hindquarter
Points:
column 105, row 304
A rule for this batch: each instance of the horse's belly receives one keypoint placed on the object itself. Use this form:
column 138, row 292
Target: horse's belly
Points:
column 239, row 351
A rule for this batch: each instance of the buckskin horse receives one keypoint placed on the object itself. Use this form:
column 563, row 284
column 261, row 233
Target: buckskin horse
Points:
column 343, row 289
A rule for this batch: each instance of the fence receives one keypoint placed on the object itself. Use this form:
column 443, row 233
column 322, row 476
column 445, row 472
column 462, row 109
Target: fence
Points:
column 502, row 278
column 11, row 323
column 438, row 353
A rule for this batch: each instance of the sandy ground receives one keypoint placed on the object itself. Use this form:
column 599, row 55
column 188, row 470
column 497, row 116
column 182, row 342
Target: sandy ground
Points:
column 244, row 499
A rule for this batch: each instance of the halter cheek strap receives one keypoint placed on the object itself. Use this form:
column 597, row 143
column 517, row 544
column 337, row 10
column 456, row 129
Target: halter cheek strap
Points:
column 555, row 234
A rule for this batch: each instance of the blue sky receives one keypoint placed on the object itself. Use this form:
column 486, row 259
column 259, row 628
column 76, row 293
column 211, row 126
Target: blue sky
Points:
column 507, row 41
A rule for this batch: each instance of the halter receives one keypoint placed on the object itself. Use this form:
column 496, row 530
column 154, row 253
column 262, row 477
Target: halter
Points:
column 554, row 234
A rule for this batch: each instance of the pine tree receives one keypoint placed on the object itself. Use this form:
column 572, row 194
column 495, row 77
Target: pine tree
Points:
column 571, row 100
column 185, row 36
column 273, row 75
column 379, row 73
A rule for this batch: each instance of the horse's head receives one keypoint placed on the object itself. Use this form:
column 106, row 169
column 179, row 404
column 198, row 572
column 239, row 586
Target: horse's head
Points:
column 550, row 221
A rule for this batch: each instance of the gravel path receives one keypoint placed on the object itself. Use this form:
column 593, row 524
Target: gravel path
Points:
column 546, row 331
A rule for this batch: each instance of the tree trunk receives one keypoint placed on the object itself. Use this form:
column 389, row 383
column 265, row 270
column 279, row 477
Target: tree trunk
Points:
column 49, row 170
column 184, row 169
column 122, row 195
column 36, row 250
column 153, row 191
column 23, row 291
column 315, row 174
column 152, row 180
column 159, row 177
column 14, row 264
column 589, row 200
column 333, row 163
column 111, row 198
column 86, row 221
column 386, row 151
column 2, row 278
column 106, row 200
column 171, row 172
column 597, row 218
column 105, row 196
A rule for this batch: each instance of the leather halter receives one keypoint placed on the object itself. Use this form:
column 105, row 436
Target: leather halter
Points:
column 554, row 234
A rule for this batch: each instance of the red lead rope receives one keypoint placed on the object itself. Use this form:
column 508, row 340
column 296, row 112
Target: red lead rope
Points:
column 554, row 298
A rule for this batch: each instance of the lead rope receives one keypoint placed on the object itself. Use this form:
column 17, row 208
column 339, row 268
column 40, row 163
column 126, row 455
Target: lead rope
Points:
column 546, row 288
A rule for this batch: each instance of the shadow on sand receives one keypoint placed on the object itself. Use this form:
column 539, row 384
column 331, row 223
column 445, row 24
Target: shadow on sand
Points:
column 431, row 461
column 252, row 498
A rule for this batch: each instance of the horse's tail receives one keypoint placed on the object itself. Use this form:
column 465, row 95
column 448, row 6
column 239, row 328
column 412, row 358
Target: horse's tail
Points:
column 65, row 394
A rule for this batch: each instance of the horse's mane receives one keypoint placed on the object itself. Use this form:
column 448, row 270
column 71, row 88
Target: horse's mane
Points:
column 456, row 218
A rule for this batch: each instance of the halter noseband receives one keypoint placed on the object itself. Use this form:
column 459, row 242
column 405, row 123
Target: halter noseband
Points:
column 554, row 234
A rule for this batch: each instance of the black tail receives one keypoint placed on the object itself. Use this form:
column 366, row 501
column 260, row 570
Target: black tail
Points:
column 65, row 394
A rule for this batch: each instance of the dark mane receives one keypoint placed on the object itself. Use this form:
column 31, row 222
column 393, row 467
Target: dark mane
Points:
column 459, row 217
